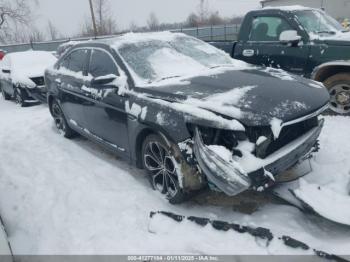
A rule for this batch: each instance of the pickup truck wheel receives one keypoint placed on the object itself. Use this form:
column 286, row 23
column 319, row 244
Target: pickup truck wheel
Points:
column 60, row 121
column 339, row 90
column 159, row 163
column 5, row 95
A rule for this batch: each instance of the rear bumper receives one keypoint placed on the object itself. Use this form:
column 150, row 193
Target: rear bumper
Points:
column 232, row 180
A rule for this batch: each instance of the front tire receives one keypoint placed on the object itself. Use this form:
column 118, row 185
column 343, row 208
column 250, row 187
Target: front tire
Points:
column 19, row 97
column 158, row 162
column 60, row 121
column 339, row 90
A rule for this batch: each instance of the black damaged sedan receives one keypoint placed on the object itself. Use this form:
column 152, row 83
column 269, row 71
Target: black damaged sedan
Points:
column 186, row 112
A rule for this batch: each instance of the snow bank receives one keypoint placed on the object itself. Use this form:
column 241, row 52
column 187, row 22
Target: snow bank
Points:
column 325, row 202
column 92, row 203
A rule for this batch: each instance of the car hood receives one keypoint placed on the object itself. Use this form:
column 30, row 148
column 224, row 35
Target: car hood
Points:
column 254, row 96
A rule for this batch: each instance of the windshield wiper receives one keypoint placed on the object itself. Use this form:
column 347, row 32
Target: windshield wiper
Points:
column 167, row 77
column 217, row 66
column 326, row 32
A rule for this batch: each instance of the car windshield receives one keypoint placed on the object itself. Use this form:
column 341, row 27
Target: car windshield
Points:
column 154, row 60
column 318, row 22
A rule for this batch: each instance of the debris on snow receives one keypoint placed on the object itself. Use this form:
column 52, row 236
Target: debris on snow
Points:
column 324, row 201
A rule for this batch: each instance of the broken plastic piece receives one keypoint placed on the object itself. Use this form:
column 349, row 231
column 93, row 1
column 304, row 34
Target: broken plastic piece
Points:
column 291, row 242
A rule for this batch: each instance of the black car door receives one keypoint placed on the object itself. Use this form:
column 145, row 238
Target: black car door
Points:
column 71, row 80
column 266, row 31
column 105, row 113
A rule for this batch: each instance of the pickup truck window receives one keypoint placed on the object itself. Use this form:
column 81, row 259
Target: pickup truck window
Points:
column 318, row 22
column 268, row 28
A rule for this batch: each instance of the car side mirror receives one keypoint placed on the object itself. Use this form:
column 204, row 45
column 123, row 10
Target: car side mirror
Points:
column 290, row 37
column 103, row 80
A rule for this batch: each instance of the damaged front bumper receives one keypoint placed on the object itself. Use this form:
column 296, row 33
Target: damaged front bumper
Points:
column 224, row 175
column 231, row 179
column 38, row 93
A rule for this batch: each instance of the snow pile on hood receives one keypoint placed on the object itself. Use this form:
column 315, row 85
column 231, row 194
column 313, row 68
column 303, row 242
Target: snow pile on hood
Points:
column 28, row 64
column 339, row 36
column 223, row 103
column 279, row 73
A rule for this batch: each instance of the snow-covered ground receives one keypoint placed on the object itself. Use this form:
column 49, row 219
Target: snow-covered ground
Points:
column 71, row 197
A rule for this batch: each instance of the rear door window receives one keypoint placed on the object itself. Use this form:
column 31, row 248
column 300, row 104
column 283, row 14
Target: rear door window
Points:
column 268, row 28
column 102, row 64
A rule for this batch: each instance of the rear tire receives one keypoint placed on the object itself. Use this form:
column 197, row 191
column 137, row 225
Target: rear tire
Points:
column 157, row 160
column 339, row 90
column 5, row 95
column 60, row 121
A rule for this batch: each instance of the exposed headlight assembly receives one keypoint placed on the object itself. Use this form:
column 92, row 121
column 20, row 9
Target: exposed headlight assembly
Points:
column 225, row 175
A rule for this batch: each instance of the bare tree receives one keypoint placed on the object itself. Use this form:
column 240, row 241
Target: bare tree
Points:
column 193, row 20
column 203, row 10
column 36, row 35
column 12, row 14
column 133, row 26
column 153, row 22
column 52, row 31
column 215, row 19
column 105, row 22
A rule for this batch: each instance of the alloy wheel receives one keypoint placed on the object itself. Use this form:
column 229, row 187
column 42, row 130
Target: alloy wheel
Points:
column 58, row 117
column 340, row 98
column 160, row 164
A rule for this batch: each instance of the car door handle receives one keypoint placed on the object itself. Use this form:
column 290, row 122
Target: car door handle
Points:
column 248, row 52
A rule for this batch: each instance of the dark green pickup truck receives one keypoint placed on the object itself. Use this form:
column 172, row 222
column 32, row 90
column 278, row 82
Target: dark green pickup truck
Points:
column 302, row 41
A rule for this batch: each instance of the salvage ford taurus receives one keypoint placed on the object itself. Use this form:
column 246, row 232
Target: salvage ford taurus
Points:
column 185, row 111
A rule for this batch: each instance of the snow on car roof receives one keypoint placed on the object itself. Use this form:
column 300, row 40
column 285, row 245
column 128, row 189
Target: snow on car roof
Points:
column 131, row 37
column 289, row 8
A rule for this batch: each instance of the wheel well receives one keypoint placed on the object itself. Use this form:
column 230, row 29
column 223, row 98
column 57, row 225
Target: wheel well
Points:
column 138, row 145
column 324, row 73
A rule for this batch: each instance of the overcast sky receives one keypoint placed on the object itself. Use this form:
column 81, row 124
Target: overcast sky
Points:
column 67, row 15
